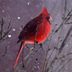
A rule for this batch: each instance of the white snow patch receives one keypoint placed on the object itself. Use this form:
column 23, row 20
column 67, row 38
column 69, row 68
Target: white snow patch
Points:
column 28, row 3
column 9, row 36
column 18, row 18
column 14, row 29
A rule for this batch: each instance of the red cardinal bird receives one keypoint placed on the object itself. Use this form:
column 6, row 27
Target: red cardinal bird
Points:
column 36, row 30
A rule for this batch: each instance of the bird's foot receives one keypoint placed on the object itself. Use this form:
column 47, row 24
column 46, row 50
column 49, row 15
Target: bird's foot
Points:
column 41, row 46
column 35, row 43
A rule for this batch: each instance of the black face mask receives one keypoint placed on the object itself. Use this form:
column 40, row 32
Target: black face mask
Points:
column 48, row 17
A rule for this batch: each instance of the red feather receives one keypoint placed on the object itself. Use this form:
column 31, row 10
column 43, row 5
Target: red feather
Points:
column 37, row 29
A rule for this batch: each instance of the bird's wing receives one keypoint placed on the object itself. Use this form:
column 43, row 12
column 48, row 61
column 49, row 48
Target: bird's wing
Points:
column 30, row 28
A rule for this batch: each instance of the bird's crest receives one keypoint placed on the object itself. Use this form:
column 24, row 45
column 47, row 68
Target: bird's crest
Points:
column 44, row 11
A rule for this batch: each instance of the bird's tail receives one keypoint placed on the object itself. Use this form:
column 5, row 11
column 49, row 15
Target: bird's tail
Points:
column 19, row 53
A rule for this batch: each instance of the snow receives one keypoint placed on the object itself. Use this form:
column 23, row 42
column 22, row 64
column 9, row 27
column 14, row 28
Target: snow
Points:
column 18, row 18
column 14, row 29
column 9, row 35
column 28, row 3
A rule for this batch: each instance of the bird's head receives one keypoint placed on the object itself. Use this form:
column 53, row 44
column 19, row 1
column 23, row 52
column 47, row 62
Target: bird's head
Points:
column 46, row 14
column 44, row 11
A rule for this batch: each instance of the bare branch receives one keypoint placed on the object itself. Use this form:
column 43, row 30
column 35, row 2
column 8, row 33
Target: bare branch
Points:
column 65, row 39
column 64, row 64
column 69, row 23
column 64, row 21
column 1, row 31
column 3, row 35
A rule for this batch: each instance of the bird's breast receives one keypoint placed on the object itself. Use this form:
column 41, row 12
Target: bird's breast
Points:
column 43, row 32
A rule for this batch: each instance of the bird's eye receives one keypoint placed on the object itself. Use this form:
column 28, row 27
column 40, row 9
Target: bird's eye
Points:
column 47, row 17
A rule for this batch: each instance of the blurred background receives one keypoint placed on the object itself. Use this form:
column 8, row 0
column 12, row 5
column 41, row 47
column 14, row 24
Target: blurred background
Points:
column 56, row 55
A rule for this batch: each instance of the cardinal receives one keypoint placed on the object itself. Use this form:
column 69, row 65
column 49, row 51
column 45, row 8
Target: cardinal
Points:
column 36, row 30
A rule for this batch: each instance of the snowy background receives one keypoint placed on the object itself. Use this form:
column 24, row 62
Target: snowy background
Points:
column 57, row 54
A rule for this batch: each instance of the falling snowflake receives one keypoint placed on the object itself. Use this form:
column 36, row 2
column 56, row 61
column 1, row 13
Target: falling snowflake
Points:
column 18, row 18
column 13, row 29
column 9, row 36
column 28, row 3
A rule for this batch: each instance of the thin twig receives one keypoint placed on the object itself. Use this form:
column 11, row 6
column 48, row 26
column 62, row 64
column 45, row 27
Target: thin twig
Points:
column 4, row 34
column 65, row 39
column 1, row 31
column 64, row 21
column 64, row 65
column 62, row 57
column 65, row 8
column 69, row 23
column 52, row 62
